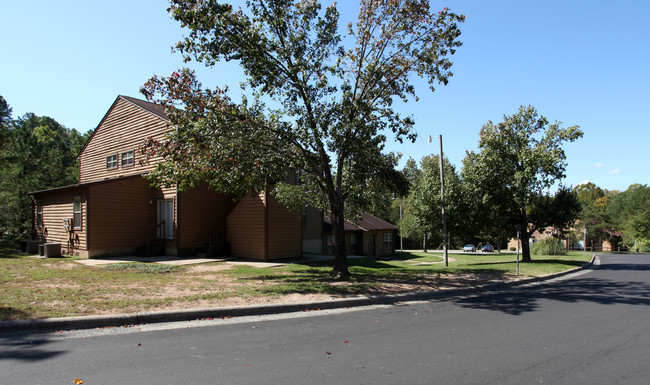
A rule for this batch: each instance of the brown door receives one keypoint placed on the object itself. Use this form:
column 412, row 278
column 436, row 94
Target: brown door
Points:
column 371, row 245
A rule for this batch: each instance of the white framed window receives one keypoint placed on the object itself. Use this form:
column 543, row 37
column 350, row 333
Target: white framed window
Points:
column 111, row 162
column 76, row 212
column 39, row 214
column 127, row 159
column 388, row 240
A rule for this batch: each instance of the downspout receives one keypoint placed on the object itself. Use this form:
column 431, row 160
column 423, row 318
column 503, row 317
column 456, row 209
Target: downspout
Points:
column 87, row 228
column 266, row 223
column 177, row 229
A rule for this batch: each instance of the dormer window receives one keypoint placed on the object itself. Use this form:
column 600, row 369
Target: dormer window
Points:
column 111, row 162
column 127, row 159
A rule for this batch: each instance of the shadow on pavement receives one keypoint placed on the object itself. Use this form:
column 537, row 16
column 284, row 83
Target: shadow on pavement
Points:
column 602, row 291
column 23, row 348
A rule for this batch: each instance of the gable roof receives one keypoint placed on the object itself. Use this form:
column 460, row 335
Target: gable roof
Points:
column 149, row 107
column 366, row 222
column 154, row 108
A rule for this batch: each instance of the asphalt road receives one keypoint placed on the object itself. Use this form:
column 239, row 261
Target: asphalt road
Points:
column 592, row 328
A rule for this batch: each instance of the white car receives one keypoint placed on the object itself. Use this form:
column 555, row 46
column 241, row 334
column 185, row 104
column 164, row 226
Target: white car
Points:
column 469, row 248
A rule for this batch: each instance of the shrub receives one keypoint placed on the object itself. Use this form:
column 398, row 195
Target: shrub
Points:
column 512, row 248
column 11, row 239
column 548, row 246
column 643, row 247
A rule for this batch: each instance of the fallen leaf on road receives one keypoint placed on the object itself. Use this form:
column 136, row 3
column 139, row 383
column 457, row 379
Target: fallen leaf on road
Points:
column 78, row 381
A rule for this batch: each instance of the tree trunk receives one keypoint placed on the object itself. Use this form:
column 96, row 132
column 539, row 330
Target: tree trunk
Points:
column 523, row 235
column 424, row 242
column 340, row 269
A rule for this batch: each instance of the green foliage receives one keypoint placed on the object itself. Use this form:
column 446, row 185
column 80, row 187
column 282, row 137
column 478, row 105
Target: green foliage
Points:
column 336, row 101
column 548, row 246
column 630, row 213
column 12, row 237
column 593, row 214
column 518, row 160
column 557, row 212
column 38, row 153
column 423, row 213
column 643, row 247
column 5, row 121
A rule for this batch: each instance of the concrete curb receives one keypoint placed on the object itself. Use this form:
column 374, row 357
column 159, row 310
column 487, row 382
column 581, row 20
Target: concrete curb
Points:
column 89, row 322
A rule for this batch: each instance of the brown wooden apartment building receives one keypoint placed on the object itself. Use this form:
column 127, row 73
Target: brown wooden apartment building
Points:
column 114, row 211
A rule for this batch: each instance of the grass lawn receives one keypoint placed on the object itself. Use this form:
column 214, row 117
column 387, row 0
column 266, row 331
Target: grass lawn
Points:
column 57, row 287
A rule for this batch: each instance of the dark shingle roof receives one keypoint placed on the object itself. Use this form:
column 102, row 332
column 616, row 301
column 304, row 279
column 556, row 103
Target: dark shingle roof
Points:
column 151, row 107
column 366, row 222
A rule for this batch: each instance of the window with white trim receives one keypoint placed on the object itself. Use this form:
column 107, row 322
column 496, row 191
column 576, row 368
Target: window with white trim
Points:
column 388, row 240
column 111, row 162
column 39, row 214
column 127, row 159
column 76, row 212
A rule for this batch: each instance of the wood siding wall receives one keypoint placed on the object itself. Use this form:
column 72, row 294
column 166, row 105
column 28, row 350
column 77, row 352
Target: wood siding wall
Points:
column 57, row 206
column 380, row 252
column 122, row 216
column 245, row 228
column 313, row 224
column 284, row 231
column 124, row 128
column 200, row 212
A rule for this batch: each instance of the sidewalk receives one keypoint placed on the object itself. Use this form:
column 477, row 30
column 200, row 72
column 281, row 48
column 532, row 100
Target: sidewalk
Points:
column 168, row 260
column 89, row 322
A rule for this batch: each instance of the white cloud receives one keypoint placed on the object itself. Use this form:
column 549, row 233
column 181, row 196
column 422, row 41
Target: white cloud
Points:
column 598, row 165
column 615, row 171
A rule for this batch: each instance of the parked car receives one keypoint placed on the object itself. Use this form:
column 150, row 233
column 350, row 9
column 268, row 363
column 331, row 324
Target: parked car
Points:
column 487, row 248
column 469, row 248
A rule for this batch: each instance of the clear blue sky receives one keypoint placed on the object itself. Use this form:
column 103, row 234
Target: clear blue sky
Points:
column 580, row 62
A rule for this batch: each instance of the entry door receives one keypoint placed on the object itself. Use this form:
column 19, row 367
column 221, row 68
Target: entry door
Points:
column 166, row 219
column 371, row 245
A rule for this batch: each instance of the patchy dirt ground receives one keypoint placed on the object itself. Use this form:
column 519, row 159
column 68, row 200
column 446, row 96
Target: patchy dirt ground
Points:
column 385, row 288
column 65, row 288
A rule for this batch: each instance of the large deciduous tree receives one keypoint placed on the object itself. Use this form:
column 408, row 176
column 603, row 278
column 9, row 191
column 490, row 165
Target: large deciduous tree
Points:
column 630, row 213
column 335, row 101
column 423, row 214
column 593, row 214
column 517, row 160
column 557, row 212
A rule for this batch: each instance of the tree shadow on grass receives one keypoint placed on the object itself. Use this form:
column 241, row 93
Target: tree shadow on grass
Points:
column 383, row 279
column 9, row 313
column 568, row 263
column 8, row 253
